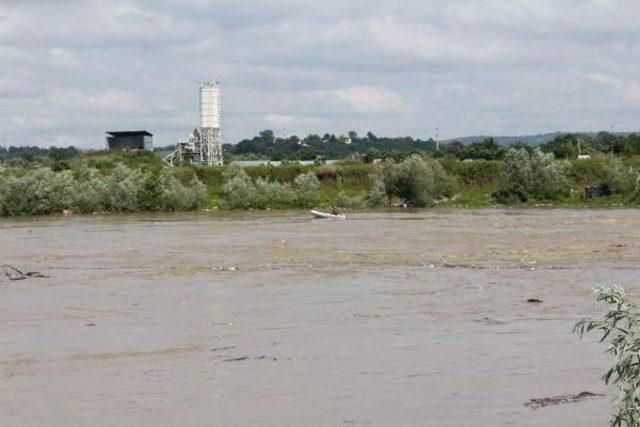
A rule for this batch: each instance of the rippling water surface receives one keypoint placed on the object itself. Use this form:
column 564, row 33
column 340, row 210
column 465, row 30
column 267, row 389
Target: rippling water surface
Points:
column 275, row 319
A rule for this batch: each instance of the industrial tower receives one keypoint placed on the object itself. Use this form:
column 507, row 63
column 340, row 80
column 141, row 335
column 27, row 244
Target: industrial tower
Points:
column 210, row 123
column 204, row 146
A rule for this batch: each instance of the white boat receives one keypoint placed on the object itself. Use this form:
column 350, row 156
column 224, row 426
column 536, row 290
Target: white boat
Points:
column 326, row 215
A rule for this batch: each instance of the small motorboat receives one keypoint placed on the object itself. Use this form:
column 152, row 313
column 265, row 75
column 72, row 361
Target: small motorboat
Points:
column 327, row 215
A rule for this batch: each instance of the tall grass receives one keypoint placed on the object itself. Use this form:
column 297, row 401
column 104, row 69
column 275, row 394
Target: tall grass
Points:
column 472, row 172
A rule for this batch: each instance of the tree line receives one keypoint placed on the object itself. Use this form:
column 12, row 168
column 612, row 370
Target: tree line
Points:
column 266, row 146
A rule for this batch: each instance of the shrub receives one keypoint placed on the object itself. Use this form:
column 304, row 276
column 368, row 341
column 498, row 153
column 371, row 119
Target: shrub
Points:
column 102, row 163
column 211, row 175
column 617, row 178
column 243, row 193
column 272, row 194
column 534, row 175
column 121, row 189
column 38, row 192
column 378, row 193
column 589, row 171
column 184, row 173
column 326, row 172
column 125, row 190
column 417, row 181
column 306, row 186
column 60, row 165
column 351, row 202
column 238, row 187
column 89, row 191
column 149, row 194
column 621, row 327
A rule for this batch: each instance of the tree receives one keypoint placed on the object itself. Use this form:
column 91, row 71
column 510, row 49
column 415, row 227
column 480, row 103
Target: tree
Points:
column 621, row 328
column 454, row 148
column 487, row 150
column 605, row 141
column 371, row 155
column 59, row 153
column 353, row 135
column 267, row 136
column 27, row 156
column 563, row 147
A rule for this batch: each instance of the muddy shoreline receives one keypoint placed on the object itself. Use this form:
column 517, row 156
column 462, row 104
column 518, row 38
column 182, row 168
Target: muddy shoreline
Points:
column 416, row 318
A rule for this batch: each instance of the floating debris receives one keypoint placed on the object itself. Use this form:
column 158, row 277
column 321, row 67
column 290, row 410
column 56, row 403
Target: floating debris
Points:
column 534, row 301
column 240, row 359
column 222, row 348
column 225, row 268
column 236, row 359
column 468, row 266
column 14, row 274
column 557, row 400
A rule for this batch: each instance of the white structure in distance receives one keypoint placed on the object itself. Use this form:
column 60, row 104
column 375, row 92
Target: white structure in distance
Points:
column 204, row 146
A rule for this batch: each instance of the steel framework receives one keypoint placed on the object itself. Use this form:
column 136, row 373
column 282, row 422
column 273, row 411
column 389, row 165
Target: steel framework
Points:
column 203, row 146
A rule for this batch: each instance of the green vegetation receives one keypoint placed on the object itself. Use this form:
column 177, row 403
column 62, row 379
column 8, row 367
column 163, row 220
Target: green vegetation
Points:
column 366, row 148
column 531, row 175
column 122, row 189
column 243, row 193
column 266, row 146
column 479, row 174
column 621, row 328
column 417, row 181
column 129, row 182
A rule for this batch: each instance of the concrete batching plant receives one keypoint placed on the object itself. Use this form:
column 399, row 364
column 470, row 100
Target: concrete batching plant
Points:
column 204, row 145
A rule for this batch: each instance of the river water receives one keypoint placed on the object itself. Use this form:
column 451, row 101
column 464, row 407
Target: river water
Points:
column 275, row 319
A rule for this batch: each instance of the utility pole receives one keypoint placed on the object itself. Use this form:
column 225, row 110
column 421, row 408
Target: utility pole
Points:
column 613, row 140
column 3, row 146
column 579, row 152
column 437, row 139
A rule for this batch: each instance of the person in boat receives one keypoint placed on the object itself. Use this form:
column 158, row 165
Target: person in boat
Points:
column 335, row 210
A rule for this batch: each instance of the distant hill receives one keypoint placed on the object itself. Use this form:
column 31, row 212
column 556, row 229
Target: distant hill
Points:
column 536, row 139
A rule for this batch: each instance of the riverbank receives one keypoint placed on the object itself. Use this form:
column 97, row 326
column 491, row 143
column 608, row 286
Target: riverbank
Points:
column 133, row 182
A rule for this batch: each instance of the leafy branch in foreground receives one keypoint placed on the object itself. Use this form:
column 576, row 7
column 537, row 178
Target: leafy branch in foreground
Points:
column 621, row 328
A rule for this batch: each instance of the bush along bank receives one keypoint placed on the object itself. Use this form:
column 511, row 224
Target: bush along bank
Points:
column 86, row 190
column 525, row 177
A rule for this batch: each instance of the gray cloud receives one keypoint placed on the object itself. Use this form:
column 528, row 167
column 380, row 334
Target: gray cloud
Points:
column 72, row 69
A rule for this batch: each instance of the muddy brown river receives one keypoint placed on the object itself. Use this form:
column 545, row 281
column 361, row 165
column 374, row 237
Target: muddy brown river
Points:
column 275, row 319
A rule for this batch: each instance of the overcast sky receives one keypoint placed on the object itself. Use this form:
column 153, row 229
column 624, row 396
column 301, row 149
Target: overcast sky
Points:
column 72, row 69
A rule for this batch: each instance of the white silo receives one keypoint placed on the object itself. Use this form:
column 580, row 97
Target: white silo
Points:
column 211, row 150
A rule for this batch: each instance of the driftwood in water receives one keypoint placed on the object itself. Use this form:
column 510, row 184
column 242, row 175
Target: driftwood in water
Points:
column 14, row 274
column 557, row 400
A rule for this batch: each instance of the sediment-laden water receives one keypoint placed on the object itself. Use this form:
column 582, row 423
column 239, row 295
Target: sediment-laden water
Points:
column 275, row 319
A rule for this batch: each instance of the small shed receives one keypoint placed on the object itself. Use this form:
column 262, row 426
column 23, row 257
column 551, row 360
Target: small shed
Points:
column 130, row 140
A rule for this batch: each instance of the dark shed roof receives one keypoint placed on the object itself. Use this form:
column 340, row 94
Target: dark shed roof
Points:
column 130, row 133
